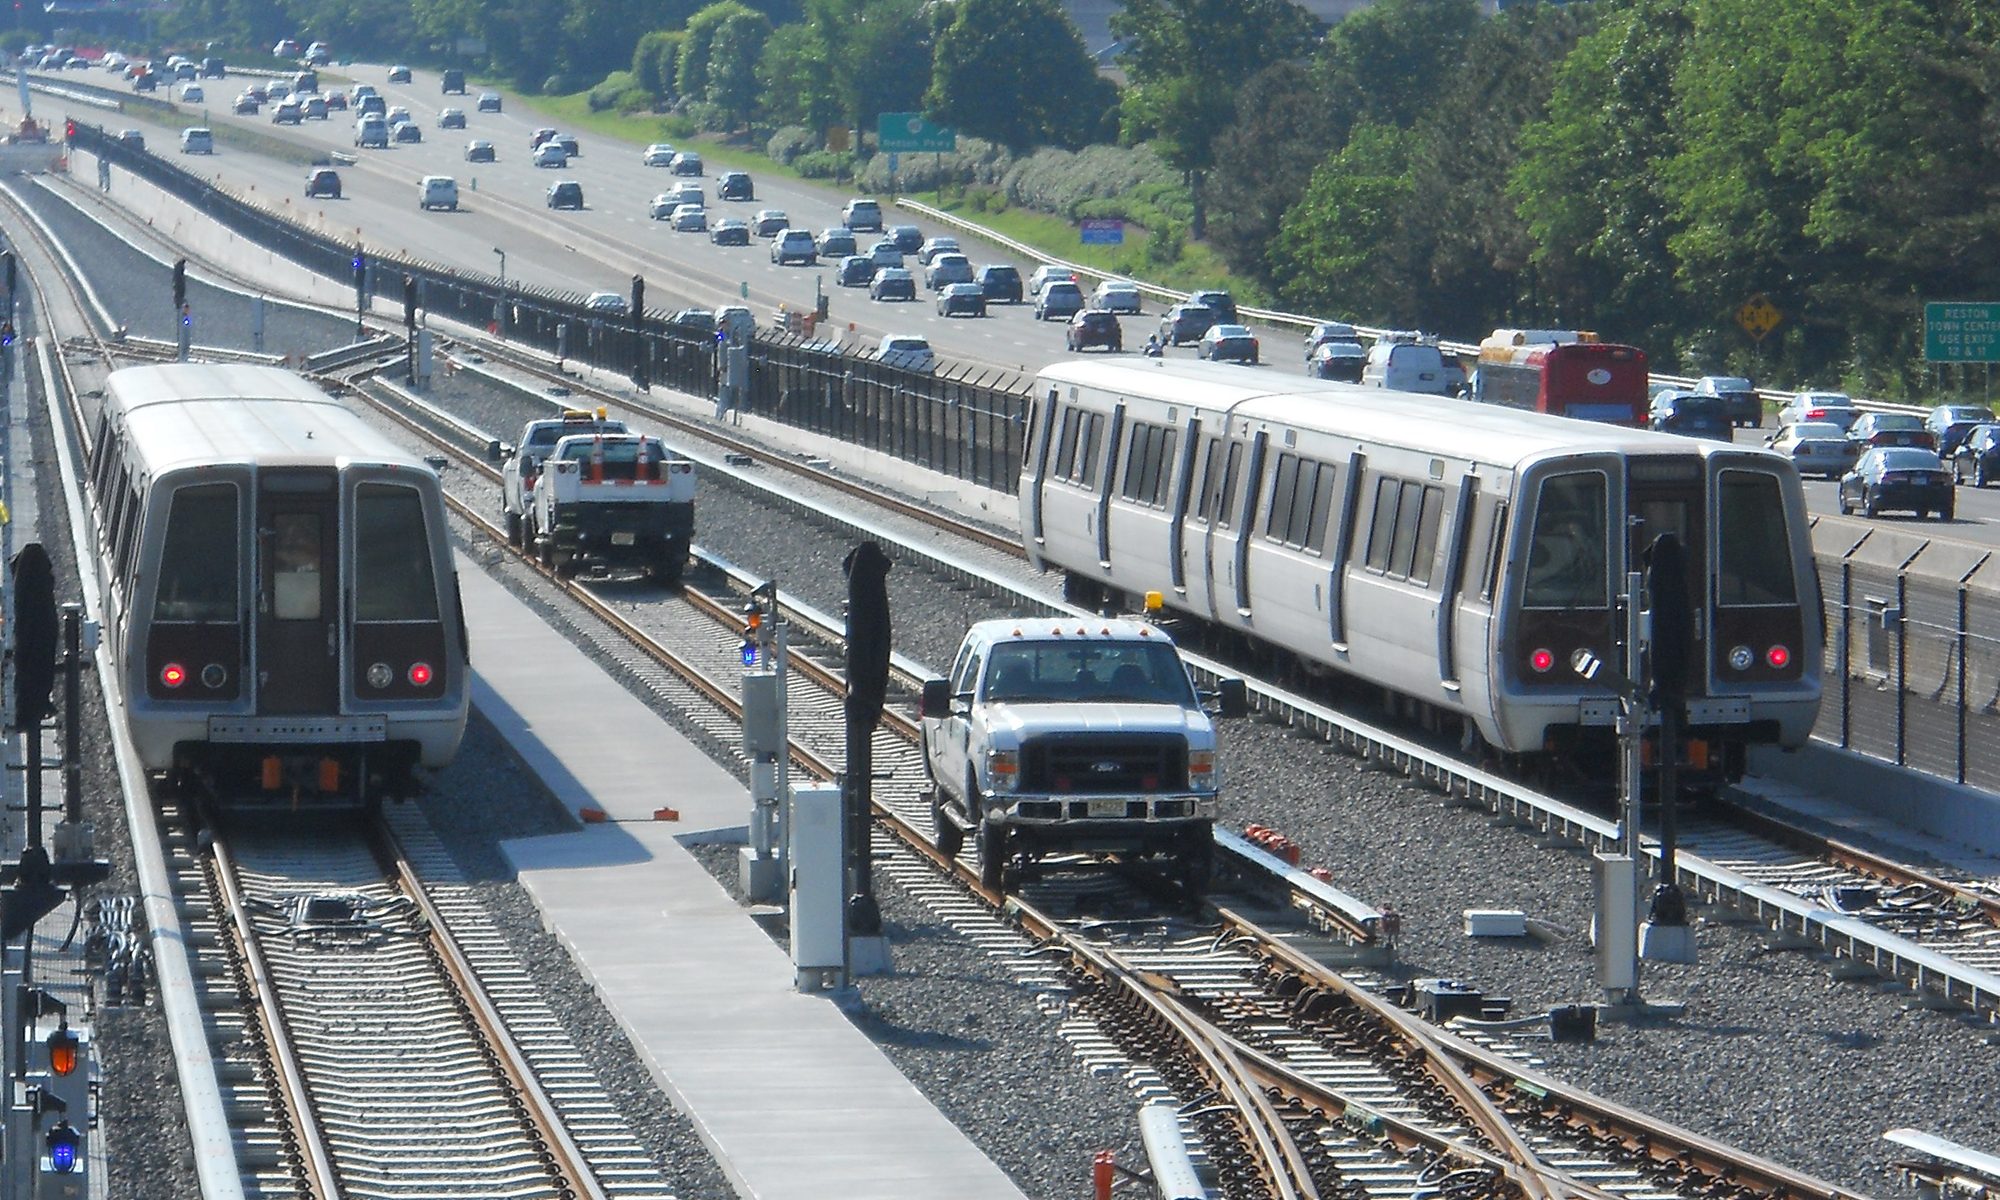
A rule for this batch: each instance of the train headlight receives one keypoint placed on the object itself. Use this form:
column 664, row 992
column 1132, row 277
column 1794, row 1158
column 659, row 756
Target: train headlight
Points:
column 420, row 674
column 379, row 675
column 214, row 675
column 1740, row 658
column 173, row 675
column 1779, row 657
column 1542, row 660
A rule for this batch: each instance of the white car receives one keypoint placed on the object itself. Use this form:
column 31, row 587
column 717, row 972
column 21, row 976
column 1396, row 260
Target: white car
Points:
column 663, row 206
column 398, row 115
column 607, row 302
column 908, row 350
column 659, row 154
column 1117, row 296
column 689, row 218
column 794, row 245
column 936, row 246
column 551, row 154
column 191, row 93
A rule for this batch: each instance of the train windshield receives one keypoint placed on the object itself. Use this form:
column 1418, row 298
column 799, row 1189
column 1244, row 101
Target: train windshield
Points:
column 392, row 556
column 1063, row 672
column 1755, row 560
column 198, row 562
column 1567, row 565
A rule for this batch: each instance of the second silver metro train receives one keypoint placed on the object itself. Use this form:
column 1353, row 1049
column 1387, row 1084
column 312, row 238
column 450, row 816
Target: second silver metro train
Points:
column 1455, row 554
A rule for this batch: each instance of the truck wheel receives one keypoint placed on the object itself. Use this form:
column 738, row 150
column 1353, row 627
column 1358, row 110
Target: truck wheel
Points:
column 1197, row 855
column 514, row 529
column 992, row 856
column 565, row 564
column 666, row 569
column 945, row 831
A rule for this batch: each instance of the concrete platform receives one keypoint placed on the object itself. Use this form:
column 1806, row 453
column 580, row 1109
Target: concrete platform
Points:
column 794, row 1101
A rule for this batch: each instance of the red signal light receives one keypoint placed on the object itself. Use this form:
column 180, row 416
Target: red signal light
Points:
column 173, row 675
column 1542, row 660
column 1779, row 657
column 420, row 674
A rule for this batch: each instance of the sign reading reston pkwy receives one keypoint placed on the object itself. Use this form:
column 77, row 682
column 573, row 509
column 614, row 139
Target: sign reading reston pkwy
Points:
column 912, row 132
column 1962, row 332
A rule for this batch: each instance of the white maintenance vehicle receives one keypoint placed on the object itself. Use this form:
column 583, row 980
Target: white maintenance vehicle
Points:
column 609, row 502
column 1074, row 735
column 520, row 465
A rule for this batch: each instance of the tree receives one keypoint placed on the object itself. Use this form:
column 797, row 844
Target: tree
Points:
column 732, row 69
column 1333, row 245
column 1282, row 132
column 793, row 80
column 655, row 60
column 1014, row 72
column 1185, row 60
column 1386, row 63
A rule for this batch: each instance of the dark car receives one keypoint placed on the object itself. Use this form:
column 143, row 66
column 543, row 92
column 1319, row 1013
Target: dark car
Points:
column 1949, row 423
column 1186, row 323
column 323, row 182
column 214, row 68
column 479, row 150
column 452, row 83
column 1977, row 457
column 1228, row 342
column 1739, row 397
column 132, row 139
column 699, row 320
column 245, row 105
column 736, row 185
column 566, row 194
column 489, row 102
column 1899, row 477
column 837, row 243
column 1892, row 429
column 569, row 144
column 856, row 270
column 956, row 299
column 1094, row 327
column 337, row 100
column 999, row 283
column 1691, row 416
column 1059, row 299
column 1337, row 360
column 1222, row 302
column 1328, row 331
column 451, row 118
column 145, row 83
column 730, row 231
column 399, row 74
column 908, row 238
column 408, row 131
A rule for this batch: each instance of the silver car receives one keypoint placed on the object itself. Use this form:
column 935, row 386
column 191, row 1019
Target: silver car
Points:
column 1816, row 448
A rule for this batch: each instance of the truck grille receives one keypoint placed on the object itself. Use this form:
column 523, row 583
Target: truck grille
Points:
column 1105, row 763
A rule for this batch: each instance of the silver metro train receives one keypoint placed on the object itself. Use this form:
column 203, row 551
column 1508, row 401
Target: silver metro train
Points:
column 1457, row 555
column 278, row 588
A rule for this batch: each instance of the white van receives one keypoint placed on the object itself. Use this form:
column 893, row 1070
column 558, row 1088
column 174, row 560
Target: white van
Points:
column 908, row 350
column 197, row 141
column 437, row 191
column 1408, row 366
column 371, row 130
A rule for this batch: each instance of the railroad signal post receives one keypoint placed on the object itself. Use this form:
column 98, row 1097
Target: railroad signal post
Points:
column 762, row 864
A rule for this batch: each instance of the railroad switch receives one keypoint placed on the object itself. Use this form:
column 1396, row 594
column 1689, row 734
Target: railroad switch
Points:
column 1439, row 1000
column 1573, row 1023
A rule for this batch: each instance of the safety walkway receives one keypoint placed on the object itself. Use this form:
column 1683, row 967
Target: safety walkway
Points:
column 793, row 1100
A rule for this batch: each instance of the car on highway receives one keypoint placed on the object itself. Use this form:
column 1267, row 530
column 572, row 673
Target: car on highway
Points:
column 399, row 74
column 145, row 81
column 1117, row 296
column 489, row 102
column 688, row 218
column 1676, row 410
column 730, row 231
column 735, row 185
column 908, row 238
column 836, row 242
column 1060, row 298
column 1815, row 448
column 907, row 350
column 198, row 140
column 570, row 145
column 566, row 193
column 1898, row 477
column 694, row 320
column 948, row 268
column 314, row 105
column 607, row 302
column 451, row 118
column 862, row 214
column 687, row 162
column 245, row 104
column 1329, row 331
column 286, row 48
column 1222, row 302
column 550, row 154
column 934, row 246
column 437, row 191
column 961, row 299
column 1094, row 327
column 1001, row 283
column 1892, row 429
column 479, row 150
column 1184, row 323
column 1739, row 397
column 1226, row 342
column 793, row 245
column 318, row 54
column 373, row 106
column 1977, row 458
column 1835, row 407
column 371, row 131
column 856, row 270
column 192, row 93
column 540, row 137
column 1949, row 423
column 1338, row 360
column 886, row 253
column 335, row 100
column 659, row 154
column 132, row 139
column 408, row 131
column 663, row 206
column 769, row 222
column 398, row 115
column 1046, row 274
column 892, row 283
column 322, row 183
column 288, row 112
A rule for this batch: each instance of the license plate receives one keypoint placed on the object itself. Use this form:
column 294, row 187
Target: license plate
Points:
column 1107, row 808
column 624, row 539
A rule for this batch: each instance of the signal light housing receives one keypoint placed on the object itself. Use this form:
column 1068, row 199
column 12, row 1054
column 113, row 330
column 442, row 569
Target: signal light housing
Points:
column 173, row 675
column 1542, row 660
column 65, row 1147
column 64, row 1050
column 1779, row 657
column 421, row 674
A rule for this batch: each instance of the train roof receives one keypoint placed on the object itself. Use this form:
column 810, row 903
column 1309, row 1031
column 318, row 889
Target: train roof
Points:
column 1465, row 429
column 194, row 414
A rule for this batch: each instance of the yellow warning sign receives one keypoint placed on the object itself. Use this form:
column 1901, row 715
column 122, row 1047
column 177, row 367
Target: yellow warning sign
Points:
column 1758, row 316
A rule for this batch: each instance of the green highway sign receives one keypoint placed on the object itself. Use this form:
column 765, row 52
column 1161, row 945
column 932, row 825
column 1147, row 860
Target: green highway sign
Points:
column 1962, row 333
column 912, row 132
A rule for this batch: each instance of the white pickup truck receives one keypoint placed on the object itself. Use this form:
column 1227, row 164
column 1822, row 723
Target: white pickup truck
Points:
column 521, row 464
column 612, row 501
column 1078, row 735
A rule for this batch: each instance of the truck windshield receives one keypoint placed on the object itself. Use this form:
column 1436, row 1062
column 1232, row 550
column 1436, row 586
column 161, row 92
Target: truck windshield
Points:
column 1066, row 672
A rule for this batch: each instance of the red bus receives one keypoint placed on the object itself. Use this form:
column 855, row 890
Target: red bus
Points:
column 1567, row 373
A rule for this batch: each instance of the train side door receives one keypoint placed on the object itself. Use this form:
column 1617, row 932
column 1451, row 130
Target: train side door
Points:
column 1041, row 424
column 1459, row 549
column 1182, row 499
column 1245, row 516
column 298, row 592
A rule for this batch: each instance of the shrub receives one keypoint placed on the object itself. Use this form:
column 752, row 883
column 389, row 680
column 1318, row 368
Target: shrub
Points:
column 790, row 142
column 605, row 95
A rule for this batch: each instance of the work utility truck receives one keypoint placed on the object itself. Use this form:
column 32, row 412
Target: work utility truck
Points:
column 605, row 502
column 1074, row 735
column 521, row 464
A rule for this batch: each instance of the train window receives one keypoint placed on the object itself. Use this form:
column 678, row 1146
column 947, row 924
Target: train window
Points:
column 1225, row 508
column 1408, row 510
column 1427, row 535
column 1211, row 481
column 296, row 576
column 1566, row 557
column 392, row 556
column 198, row 557
column 1303, row 498
column 1086, row 465
column 1322, row 510
column 1278, row 518
column 1496, row 540
column 1755, row 554
column 1381, row 530
column 1160, row 472
column 1066, row 444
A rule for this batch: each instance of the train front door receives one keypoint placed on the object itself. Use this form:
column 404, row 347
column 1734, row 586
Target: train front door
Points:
column 298, row 592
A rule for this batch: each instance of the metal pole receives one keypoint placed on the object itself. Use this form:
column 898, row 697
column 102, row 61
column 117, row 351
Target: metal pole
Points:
column 72, row 777
column 1961, row 682
column 1902, row 669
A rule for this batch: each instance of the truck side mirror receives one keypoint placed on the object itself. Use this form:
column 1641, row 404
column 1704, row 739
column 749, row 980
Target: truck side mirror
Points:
column 499, row 452
column 1234, row 697
column 936, row 700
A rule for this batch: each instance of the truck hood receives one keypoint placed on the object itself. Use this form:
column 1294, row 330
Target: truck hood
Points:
column 1015, row 722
